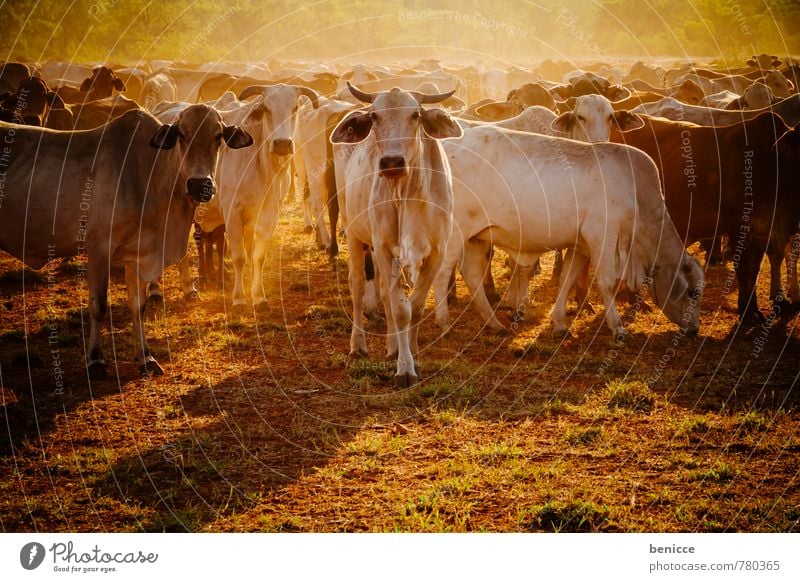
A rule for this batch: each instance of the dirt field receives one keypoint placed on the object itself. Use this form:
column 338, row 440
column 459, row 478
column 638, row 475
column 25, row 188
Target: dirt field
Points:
column 262, row 424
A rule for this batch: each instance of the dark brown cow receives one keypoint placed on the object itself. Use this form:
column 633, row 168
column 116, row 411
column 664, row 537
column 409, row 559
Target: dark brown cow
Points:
column 11, row 74
column 738, row 180
column 30, row 103
column 101, row 84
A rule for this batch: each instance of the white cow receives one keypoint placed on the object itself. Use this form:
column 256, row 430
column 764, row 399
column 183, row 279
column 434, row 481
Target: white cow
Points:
column 398, row 200
column 529, row 193
column 314, row 165
column 252, row 186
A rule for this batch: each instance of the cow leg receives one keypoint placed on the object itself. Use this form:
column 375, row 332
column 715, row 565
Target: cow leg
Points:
column 489, row 288
column 400, row 309
column 308, row 211
column 97, row 276
column 265, row 227
column 236, row 229
column 333, row 215
column 444, row 281
column 779, row 302
column 747, row 275
column 521, row 274
column 558, row 267
column 472, row 269
column 358, row 340
column 790, row 256
column 219, row 235
column 187, row 283
column 371, row 295
column 575, row 264
column 148, row 366
column 155, row 295
column 419, row 295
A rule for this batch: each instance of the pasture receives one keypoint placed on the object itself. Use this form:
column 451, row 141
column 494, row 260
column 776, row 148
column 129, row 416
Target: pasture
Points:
column 263, row 423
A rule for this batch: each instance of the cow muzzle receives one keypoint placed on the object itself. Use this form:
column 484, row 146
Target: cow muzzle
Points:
column 393, row 167
column 201, row 189
column 282, row 147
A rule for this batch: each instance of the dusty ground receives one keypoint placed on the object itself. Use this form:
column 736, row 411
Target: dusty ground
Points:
column 262, row 424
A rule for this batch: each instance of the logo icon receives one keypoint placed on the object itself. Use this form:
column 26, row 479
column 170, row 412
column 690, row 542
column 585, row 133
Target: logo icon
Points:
column 31, row 555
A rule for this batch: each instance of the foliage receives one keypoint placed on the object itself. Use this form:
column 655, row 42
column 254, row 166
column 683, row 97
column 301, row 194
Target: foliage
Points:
column 118, row 31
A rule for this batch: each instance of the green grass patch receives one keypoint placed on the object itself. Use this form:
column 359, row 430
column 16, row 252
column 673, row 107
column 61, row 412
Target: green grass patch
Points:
column 583, row 436
column 572, row 516
column 719, row 473
column 632, row 395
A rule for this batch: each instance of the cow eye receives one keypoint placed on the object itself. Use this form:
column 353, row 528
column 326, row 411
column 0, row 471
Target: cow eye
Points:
column 373, row 116
column 219, row 137
column 581, row 118
column 415, row 115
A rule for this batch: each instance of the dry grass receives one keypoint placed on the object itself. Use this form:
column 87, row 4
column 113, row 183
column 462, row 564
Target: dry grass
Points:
column 264, row 424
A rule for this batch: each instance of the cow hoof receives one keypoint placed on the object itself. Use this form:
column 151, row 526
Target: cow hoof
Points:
column 156, row 301
column 358, row 353
column 752, row 319
column 403, row 381
column 782, row 306
column 97, row 371
column 308, row 229
column 239, row 310
column 261, row 308
column 561, row 334
column 501, row 331
column 151, row 368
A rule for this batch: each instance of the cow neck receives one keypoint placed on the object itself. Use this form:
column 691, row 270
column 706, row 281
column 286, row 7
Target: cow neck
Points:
column 415, row 187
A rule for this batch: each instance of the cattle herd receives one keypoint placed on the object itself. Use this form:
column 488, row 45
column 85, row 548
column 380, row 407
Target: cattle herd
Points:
column 425, row 168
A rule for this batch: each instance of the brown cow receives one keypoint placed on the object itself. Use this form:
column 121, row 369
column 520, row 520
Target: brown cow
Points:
column 737, row 180
column 30, row 103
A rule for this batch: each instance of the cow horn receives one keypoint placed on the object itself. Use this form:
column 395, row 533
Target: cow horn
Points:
column 360, row 95
column 438, row 98
column 251, row 90
column 311, row 94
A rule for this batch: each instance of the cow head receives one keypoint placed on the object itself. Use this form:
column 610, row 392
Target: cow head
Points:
column 277, row 106
column 689, row 92
column 591, row 119
column 398, row 121
column 779, row 85
column 678, row 291
column 764, row 61
column 196, row 137
column 101, row 84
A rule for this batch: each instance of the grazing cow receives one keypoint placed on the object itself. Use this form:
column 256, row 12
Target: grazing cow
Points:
column 504, row 179
column 737, row 180
column 399, row 202
column 124, row 194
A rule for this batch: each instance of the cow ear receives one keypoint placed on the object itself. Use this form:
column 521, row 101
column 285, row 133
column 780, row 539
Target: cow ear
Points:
column 119, row 85
column 776, row 62
column 751, row 62
column 438, row 125
column 627, row 121
column 165, row 138
column 354, row 128
column 55, row 101
column 235, row 137
column 617, row 93
column 562, row 92
column 564, row 122
column 497, row 111
column 86, row 85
